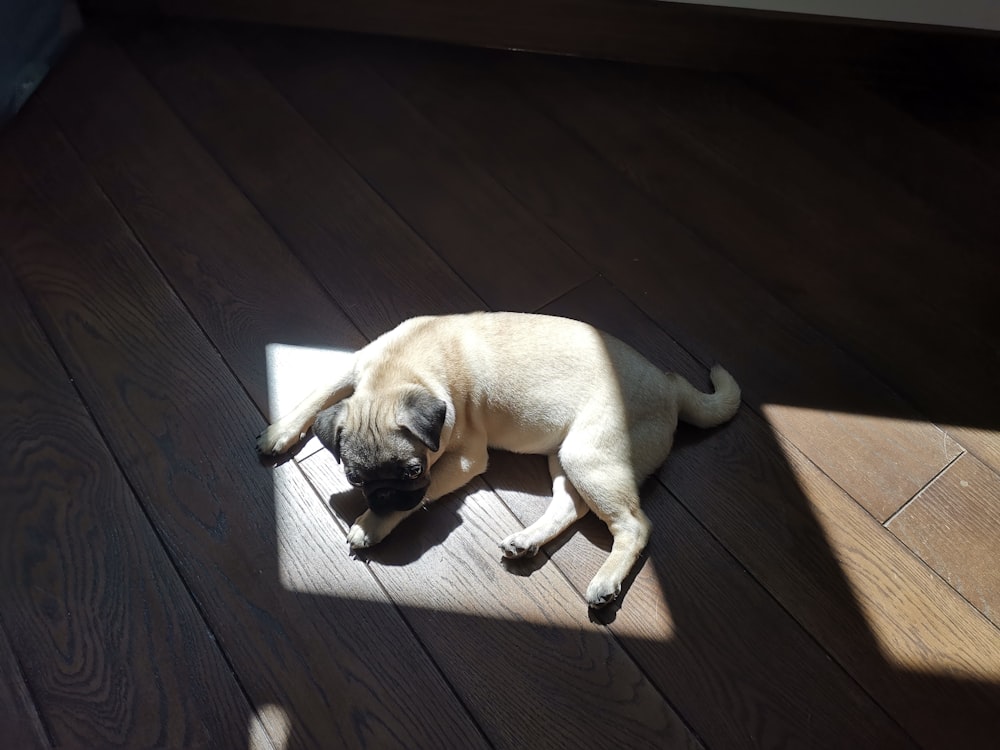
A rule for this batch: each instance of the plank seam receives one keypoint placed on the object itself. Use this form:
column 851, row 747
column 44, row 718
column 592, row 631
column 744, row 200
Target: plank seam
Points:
column 107, row 446
column 921, row 491
column 210, row 153
column 237, row 49
column 340, row 524
column 37, row 717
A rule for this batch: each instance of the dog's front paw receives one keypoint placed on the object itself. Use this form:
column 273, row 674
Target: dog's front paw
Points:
column 519, row 544
column 365, row 532
column 277, row 439
column 602, row 592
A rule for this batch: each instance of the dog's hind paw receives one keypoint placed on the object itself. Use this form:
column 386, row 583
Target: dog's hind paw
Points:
column 519, row 545
column 602, row 593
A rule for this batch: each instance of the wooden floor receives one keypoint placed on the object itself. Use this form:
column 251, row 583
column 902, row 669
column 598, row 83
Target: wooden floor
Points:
column 191, row 214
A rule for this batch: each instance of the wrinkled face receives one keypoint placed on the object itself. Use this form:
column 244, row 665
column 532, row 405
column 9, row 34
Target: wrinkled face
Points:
column 384, row 445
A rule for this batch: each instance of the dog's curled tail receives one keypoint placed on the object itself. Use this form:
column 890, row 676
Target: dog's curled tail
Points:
column 708, row 409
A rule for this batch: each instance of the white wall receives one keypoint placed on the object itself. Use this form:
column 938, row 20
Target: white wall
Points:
column 973, row 14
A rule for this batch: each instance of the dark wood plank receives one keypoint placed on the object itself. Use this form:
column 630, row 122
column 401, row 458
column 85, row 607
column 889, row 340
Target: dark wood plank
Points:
column 952, row 181
column 701, row 299
column 854, row 588
column 677, row 615
column 341, row 229
column 19, row 720
column 857, row 251
column 640, row 30
column 957, row 184
column 762, row 683
column 225, row 261
column 181, row 427
column 444, row 569
column 457, row 670
column 518, row 263
column 954, row 525
column 707, row 632
column 825, row 193
column 80, row 564
column 966, row 113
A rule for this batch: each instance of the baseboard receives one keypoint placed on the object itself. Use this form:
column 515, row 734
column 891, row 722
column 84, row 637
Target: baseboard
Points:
column 647, row 31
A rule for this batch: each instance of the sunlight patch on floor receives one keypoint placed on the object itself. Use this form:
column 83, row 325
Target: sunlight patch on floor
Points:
column 269, row 728
column 293, row 372
column 824, row 422
column 883, row 575
column 455, row 566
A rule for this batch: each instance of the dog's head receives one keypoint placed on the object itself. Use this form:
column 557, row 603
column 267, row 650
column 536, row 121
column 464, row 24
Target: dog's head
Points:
column 384, row 441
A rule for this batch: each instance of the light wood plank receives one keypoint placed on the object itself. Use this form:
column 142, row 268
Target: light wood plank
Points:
column 954, row 526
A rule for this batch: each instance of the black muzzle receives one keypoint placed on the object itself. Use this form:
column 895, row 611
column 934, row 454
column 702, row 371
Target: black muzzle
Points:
column 388, row 495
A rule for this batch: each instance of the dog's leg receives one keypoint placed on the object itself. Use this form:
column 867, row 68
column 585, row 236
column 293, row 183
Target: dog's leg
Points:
column 370, row 529
column 292, row 427
column 456, row 469
column 631, row 534
column 449, row 473
column 566, row 507
column 607, row 484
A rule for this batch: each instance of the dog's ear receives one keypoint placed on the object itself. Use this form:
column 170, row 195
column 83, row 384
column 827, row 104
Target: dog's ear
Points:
column 328, row 427
column 423, row 415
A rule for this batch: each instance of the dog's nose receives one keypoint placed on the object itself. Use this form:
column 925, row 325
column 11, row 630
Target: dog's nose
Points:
column 380, row 495
column 381, row 500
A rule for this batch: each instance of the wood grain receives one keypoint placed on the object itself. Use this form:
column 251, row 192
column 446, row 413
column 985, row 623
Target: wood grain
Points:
column 709, row 306
column 340, row 228
column 235, row 275
column 178, row 220
column 455, row 205
column 926, row 163
column 181, row 428
column 708, row 635
column 443, row 568
column 19, row 720
column 824, row 559
column 954, row 526
column 856, row 589
column 955, row 181
column 865, row 247
column 80, row 563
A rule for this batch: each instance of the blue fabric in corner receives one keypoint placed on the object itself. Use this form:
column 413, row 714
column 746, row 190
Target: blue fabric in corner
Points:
column 32, row 34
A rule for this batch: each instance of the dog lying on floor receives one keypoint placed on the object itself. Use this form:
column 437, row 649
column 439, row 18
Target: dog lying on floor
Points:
column 413, row 415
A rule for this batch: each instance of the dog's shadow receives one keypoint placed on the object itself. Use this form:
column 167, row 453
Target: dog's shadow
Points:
column 524, row 485
column 424, row 530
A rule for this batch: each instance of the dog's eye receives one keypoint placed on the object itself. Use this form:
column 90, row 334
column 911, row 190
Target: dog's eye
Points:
column 413, row 471
column 353, row 478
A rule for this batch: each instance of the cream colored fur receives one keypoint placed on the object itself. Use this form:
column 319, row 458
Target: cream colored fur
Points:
column 601, row 412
